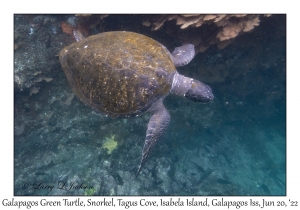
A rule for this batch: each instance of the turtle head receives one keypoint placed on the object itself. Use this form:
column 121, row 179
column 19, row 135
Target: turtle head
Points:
column 192, row 89
column 199, row 92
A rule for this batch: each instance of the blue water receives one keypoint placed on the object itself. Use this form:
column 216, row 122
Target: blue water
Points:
column 235, row 145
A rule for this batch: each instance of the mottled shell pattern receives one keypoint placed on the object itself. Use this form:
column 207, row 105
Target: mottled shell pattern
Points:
column 119, row 73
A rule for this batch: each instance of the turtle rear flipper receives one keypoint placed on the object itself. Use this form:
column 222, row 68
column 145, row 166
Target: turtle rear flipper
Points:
column 156, row 127
column 183, row 55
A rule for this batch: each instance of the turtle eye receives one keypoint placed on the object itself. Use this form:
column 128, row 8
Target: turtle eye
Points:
column 199, row 92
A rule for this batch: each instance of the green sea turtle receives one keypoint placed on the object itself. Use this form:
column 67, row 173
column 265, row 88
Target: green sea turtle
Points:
column 124, row 74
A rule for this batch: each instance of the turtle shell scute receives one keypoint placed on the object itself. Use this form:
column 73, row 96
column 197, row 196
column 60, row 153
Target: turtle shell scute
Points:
column 118, row 73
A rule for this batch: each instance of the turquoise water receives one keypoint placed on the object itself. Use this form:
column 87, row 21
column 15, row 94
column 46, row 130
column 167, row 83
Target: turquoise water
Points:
column 235, row 145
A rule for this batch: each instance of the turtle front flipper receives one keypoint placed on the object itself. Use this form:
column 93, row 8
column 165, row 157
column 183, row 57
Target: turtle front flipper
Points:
column 156, row 127
column 183, row 55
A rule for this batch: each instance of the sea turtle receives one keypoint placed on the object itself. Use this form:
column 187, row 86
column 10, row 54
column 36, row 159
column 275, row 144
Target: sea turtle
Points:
column 124, row 74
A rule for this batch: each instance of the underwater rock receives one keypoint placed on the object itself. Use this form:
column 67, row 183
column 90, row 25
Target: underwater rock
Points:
column 163, row 180
column 36, row 47
column 239, row 138
column 222, row 27
column 130, row 186
column 107, row 183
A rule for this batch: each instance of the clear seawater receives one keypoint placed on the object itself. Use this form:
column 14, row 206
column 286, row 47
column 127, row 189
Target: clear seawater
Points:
column 235, row 145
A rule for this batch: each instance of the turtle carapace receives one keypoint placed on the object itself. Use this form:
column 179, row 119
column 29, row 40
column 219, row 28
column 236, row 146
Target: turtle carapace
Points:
column 124, row 74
